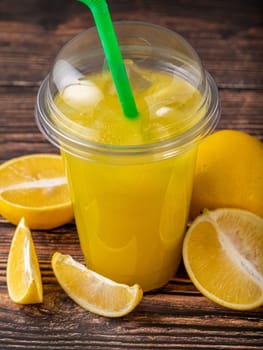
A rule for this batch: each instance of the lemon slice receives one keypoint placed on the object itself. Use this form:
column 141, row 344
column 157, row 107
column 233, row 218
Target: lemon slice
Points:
column 92, row 291
column 35, row 187
column 23, row 274
column 223, row 256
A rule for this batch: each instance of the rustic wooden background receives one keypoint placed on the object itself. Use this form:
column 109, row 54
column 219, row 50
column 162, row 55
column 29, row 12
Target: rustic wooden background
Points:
column 228, row 36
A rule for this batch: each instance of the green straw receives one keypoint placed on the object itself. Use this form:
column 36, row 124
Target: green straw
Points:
column 102, row 18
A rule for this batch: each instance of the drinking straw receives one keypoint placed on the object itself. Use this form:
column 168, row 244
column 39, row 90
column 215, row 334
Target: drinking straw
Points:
column 102, row 18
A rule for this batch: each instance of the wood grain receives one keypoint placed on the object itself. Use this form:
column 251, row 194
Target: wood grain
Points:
column 228, row 36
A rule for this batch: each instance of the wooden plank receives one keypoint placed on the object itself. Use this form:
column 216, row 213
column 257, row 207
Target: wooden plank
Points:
column 235, row 42
column 160, row 322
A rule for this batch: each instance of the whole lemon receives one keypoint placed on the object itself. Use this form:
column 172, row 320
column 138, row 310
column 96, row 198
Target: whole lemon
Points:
column 229, row 173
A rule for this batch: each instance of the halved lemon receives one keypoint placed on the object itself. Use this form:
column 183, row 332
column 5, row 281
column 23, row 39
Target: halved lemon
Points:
column 35, row 187
column 223, row 256
column 23, row 274
column 92, row 291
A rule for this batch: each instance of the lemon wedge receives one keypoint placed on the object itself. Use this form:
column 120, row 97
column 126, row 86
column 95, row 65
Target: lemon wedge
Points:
column 23, row 274
column 92, row 291
column 223, row 256
column 35, row 187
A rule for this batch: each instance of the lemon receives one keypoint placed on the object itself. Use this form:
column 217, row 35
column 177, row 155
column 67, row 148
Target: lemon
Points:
column 223, row 256
column 35, row 187
column 229, row 173
column 23, row 274
column 92, row 291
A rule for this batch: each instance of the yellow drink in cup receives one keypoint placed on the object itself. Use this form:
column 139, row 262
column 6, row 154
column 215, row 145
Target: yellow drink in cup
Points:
column 131, row 218
column 130, row 179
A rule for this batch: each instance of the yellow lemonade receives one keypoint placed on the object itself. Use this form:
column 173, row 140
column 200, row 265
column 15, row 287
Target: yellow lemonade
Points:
column 131, row 216
column 130, row 178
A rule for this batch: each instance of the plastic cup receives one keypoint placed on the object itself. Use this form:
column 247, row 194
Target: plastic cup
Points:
column 130, row 202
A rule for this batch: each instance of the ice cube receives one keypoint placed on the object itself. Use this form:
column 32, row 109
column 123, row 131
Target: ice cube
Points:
column 171, row 91
column 163, row 110
column 81, row 95
column 137, row 77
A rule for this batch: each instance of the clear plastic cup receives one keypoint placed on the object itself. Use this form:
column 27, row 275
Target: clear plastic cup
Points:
column 130, row 200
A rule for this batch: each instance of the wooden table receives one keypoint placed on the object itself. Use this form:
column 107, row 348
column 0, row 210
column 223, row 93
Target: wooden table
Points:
column 228, row 36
